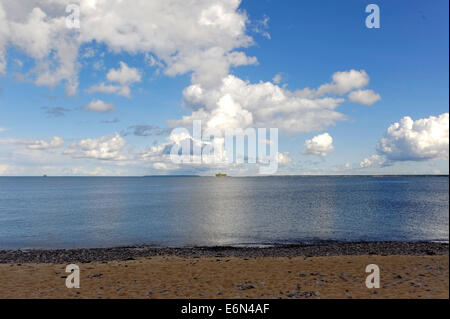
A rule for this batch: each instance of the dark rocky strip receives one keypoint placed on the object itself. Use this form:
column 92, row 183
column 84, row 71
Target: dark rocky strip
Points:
column 307, row 250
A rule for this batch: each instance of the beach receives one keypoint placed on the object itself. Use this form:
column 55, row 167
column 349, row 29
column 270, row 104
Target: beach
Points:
column 328, row 270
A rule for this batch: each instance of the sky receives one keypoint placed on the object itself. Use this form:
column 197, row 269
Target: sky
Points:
column 106, row 99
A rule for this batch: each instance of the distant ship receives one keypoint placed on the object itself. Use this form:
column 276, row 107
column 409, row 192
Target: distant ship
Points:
column 221, row 175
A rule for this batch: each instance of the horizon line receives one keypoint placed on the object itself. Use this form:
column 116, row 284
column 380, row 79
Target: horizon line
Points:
column 234, row 176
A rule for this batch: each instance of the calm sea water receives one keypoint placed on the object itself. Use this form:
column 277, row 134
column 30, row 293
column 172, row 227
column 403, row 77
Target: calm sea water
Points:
column 68, row 212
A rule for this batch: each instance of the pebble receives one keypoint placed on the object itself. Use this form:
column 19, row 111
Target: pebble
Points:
column 245, row 285
column 61, row 256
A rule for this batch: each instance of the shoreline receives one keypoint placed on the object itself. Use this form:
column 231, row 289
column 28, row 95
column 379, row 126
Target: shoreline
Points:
column 88, row 255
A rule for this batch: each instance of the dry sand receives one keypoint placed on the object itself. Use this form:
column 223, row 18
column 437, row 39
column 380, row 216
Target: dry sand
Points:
column 233, row 277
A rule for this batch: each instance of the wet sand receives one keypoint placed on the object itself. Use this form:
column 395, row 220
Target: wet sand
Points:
column 418, row 272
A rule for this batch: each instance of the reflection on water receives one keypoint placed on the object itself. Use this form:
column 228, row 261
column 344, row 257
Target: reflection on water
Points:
column 178, row 211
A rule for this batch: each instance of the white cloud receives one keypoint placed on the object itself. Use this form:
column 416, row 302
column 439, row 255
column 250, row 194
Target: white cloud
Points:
column 110, row 89
column 124, row 75
column 99, row 106
column 200, row 36
column 372, row 161
column 38, row 29
column 345, row 81
column 284, row 158
column 161, row 166
column 152, row 61
column 229, row 114
column 194, row 36
column 109, row 147
column 365, row 97
column 2, row 129
column 4, row 34
column 55, row 142
column 277, row 78
column 409, row 140
column 238, row 103
column 320, row 145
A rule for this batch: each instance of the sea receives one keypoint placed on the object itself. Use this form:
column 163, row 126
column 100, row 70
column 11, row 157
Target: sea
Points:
column 178, row 211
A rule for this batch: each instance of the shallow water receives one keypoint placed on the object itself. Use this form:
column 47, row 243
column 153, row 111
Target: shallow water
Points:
column 70, row 212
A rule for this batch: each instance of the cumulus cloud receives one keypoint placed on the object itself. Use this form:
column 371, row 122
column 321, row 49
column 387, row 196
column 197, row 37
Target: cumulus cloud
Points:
column 124, row 75
column 345, row 81
column 409, row 140
column 154, row 153
column 121, row 79
column 109, row 147
column 238, row 103
column 372, row 161
column 197, row 36
column 320, row 145
column 201, row 36
column 160, row 153
column 365, row 97
column 213, row 154
column 38, row 28
column 284, row 158
column 99, row 106
column 55, row 142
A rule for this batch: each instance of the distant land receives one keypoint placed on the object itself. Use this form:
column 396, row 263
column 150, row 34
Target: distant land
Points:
column 173, row 176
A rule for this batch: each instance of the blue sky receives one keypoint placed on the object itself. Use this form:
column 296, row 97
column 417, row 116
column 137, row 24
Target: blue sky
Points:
column 400, row 70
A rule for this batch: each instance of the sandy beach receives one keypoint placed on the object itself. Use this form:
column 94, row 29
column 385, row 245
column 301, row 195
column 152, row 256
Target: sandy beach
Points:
column 277, row 272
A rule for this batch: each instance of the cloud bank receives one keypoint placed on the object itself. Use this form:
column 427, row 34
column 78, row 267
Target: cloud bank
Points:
column 423, row 139
column 409, row 140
